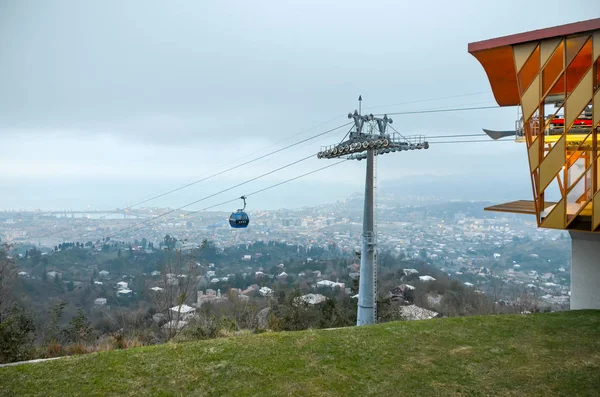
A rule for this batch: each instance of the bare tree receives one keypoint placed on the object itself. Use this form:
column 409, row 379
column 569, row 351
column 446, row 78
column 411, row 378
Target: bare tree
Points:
column 179, row 281
column 496, row 286
column 243, row 311
column 523, row 299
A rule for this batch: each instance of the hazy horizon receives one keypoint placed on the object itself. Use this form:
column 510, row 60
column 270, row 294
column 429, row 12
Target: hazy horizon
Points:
column 66, row 197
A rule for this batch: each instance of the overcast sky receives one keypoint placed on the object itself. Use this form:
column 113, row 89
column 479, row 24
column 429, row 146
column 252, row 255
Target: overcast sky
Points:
column 103, row 103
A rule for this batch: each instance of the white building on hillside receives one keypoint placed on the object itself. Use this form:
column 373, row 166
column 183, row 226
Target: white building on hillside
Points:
column 183, row 312
column 124, row 292
column 329, row 284
column 265, row 291
column 175, row 325
column 311, row 299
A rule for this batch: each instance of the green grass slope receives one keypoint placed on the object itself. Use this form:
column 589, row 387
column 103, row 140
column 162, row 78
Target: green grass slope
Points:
column 534, row 355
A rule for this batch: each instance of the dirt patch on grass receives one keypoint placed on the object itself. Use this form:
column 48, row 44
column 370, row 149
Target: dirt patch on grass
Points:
column 462, row 350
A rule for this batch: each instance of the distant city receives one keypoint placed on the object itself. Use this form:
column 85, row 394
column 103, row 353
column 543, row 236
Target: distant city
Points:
column 458, row 238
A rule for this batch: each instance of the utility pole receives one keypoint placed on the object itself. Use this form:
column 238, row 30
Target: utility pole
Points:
column 368, row 138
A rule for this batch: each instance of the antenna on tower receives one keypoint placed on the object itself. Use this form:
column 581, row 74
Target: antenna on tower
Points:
column 359, row 104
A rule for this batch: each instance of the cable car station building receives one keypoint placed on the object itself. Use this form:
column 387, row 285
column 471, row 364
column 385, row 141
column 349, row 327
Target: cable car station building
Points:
column 553, row 74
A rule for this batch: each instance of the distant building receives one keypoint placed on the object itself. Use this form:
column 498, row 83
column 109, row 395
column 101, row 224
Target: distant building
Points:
column 282, row 276
column 100, row 301
column 547, row 276
column 330, row 284
column 124, row 292
column 426, row 278
column 408, row 272
column 175, row 325
column 183, row 312
column 250, row 289
column 122, row 285
column 103, row 273
column 209, row 296
column 243, row 298
column 247, row 257
column 98, row 283
column 311, row 299
column 469, row 284
column 156, row 289
column 265, row 291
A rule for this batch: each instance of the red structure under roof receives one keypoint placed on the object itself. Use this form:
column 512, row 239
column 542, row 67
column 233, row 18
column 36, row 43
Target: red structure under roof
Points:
column 555, row 31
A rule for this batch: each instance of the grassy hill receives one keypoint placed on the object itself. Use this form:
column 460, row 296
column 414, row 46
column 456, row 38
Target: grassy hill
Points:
column 534, row 355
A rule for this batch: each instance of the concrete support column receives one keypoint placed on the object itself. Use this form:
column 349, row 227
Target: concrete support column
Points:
column 585, row 270
column 366, row 291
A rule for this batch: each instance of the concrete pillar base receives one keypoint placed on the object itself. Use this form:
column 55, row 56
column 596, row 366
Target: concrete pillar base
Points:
column 585, row 270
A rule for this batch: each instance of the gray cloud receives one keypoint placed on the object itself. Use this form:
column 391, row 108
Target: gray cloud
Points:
column 199, row 76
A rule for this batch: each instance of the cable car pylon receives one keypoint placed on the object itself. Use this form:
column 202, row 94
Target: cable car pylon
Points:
column 367, row 139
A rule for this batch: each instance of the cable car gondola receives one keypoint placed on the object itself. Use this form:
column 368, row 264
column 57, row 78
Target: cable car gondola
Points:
column 239, row 219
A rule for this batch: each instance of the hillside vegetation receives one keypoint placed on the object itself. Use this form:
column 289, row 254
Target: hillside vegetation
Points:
column 533, row 355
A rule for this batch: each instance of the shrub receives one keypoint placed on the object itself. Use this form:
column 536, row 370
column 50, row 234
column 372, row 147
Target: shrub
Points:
column 201, row 328
column 76, row 348
column 54, row 349
column 118, row 340
column 17, row 333
column 79, row 329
